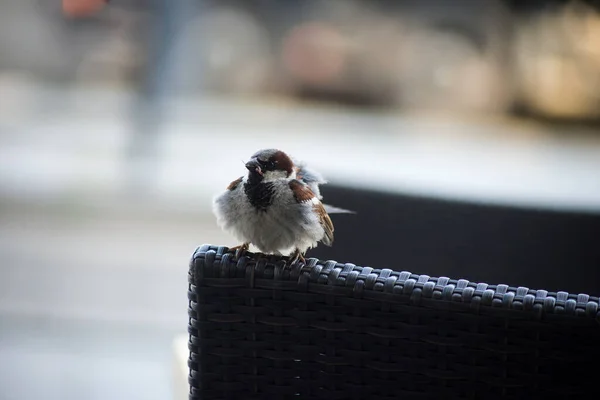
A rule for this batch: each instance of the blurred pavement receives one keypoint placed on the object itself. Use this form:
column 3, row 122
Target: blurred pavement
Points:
column 90, row 303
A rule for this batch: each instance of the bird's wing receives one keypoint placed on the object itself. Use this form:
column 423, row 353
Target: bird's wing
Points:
column 311, row 177
column 303, row 194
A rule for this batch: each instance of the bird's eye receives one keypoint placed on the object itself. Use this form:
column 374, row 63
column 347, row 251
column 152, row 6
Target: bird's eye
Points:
column 267, row 164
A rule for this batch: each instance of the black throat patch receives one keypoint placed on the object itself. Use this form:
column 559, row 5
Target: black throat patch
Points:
column 260, row 194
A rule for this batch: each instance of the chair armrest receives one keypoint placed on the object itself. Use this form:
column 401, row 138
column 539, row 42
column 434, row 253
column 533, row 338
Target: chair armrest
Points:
column 261, row 329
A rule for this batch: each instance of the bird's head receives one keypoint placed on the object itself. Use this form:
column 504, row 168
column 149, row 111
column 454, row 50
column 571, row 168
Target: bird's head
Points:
column 268, row 165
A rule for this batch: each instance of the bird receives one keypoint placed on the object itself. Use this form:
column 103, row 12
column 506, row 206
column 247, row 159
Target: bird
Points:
column 276, row 207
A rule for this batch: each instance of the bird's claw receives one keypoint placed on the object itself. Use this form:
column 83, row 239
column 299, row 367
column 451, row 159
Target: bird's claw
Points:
column 297, row 256
column 240, row 250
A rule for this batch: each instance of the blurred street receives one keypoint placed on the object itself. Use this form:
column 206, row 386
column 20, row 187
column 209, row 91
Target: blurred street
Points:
column 68, row 146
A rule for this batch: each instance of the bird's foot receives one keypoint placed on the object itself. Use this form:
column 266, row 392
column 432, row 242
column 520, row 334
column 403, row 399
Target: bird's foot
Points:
column 240, row 250
column 297, row 256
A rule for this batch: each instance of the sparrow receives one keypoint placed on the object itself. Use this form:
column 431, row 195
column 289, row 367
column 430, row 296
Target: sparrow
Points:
column 276, row 207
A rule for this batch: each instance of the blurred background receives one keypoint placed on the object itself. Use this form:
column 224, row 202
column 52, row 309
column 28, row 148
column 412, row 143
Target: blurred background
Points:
column 466, row 135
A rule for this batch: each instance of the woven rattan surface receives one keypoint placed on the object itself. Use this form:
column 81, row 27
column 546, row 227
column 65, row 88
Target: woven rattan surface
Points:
column 325, row 330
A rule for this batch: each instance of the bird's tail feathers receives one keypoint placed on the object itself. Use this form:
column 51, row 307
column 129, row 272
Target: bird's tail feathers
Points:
column 337, row 210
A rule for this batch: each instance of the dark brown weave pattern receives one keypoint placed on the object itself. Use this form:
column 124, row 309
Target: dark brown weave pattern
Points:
column 339, row 331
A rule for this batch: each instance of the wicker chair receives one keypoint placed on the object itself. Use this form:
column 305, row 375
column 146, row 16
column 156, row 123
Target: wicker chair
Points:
column 261, row 330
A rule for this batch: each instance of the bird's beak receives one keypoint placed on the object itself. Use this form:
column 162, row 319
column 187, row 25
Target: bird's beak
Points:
column 254, row 166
